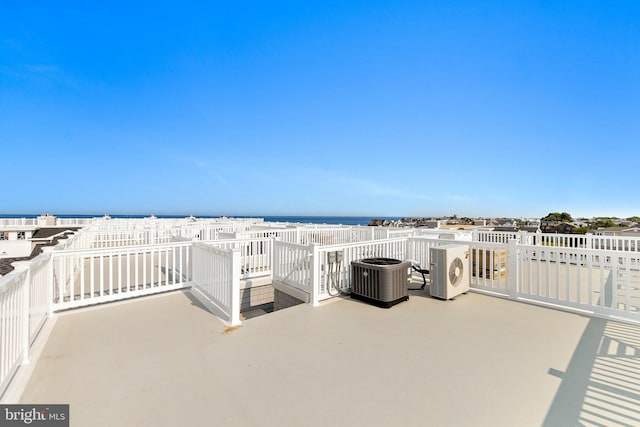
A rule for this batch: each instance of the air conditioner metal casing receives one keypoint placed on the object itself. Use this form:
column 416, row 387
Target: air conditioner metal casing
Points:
column 449, row 271
column 380, row 281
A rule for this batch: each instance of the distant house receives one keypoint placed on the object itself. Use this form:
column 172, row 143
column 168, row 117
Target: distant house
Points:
column 22, row 243
column 618, row 231
column 505, row 228
column 531, row 222
column 493, row 223
column 15, row 241
column 557, row 227
column 434, row 223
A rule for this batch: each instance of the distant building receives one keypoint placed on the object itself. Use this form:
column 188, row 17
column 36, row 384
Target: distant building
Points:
column 557, row 227
column 23, row 240
column 618, row 231
column 15, row 241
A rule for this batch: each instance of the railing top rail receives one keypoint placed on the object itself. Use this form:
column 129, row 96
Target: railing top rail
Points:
column 210, row 248
column 364, row 243
column 293, row 245
column 7, row 280
column 584, row 251
column 121, row 249
column 242, row 240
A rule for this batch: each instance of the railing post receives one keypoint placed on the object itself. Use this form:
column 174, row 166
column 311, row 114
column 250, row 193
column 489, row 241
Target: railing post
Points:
column 523, row 238
column 235, row 287
column 315, row 275
column 409, row 248
column 24, row 309
column 588, row 242
column 272, row 256
column 51, row 280
column 514, row 274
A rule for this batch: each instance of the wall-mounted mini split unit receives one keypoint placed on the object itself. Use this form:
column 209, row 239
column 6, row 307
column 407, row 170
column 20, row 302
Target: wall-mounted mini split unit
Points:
column 449, row 271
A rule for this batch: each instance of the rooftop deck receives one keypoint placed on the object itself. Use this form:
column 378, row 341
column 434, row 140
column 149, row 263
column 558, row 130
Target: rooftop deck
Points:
column 478, row 360
column 120, row 359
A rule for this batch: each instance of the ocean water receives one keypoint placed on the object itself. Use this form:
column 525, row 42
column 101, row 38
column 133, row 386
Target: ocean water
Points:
column 343, row 220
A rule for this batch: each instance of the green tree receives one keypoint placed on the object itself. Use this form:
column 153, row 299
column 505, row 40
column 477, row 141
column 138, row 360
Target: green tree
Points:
column 604, row 223
column 581, row 230
column 466, row 220
column 558, row 216
column 635, row 219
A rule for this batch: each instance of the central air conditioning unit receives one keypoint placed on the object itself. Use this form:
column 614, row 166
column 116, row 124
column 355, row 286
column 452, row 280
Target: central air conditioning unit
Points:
column 449, row 271
column 380, row 281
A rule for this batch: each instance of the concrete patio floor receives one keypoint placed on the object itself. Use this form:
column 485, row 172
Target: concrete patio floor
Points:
column 475, row 361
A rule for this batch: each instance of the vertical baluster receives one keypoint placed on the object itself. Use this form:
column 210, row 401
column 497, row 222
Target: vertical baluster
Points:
column 101, row 275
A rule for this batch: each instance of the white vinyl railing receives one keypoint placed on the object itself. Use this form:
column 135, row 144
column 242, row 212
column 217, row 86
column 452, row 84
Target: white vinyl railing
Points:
column 92, row 276
column 149, row 233
column 283, row 234
column 615, row 243
column 488, row 262
column 489, row 265
column 25, row 304
column 593, row 274
column 216, row 273
column 292, row 265
column 494, row 236
column 32, row 222
column 17, row 222
column 40, row 295
column 561, row 240
column 77, row 222
column 332, row 278
column 307, row 267
column 14, row 324
column 255, row 255
column 321, row 236
column 332, row 236
column 603, row 282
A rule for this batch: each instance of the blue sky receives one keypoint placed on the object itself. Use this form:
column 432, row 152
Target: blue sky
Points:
column 397, row 108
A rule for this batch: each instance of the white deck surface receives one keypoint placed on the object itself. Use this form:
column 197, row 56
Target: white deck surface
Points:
column 476, row 361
